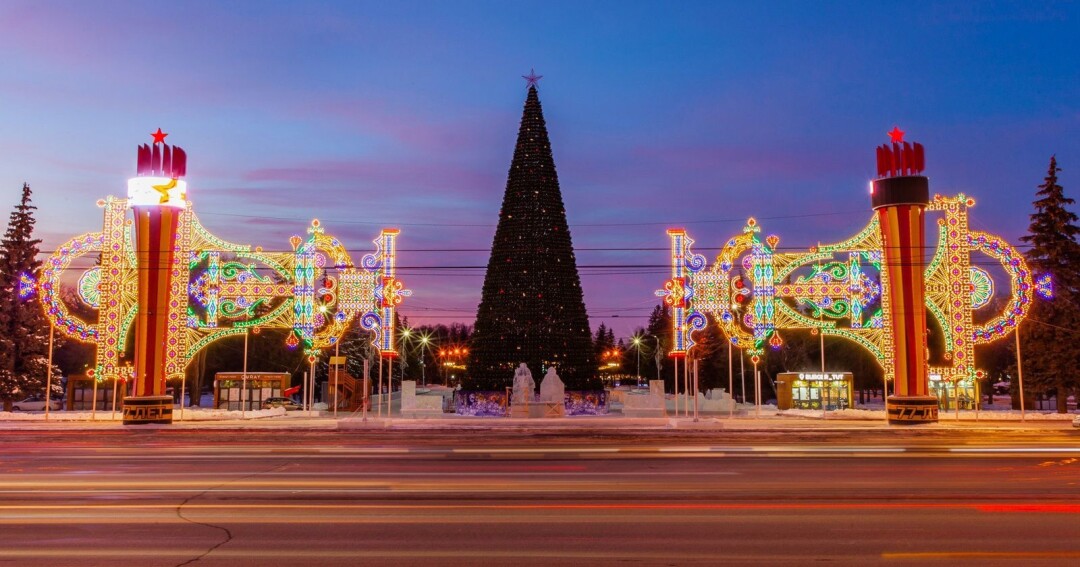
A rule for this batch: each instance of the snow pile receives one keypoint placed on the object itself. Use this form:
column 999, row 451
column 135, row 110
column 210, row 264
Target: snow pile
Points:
column 190, row 414
column 943, row 415
column 208, row 414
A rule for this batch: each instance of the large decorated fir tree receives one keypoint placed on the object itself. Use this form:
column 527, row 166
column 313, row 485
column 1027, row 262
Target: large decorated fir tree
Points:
column 24, row 331
column 1049, row 335
column 532, row 309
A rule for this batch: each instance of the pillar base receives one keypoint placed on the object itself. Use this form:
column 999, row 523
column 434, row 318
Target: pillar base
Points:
column 140, row 410
column 911, row 410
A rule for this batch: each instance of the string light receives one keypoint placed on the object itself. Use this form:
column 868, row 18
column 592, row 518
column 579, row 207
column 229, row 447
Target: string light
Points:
column 213, row 296
column 845, row 298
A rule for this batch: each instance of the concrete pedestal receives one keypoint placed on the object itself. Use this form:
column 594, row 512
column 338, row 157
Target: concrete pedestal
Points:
column 911, row 410
column 148, row 409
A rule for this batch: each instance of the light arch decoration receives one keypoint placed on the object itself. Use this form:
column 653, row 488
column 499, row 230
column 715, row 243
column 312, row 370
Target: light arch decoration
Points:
column 753, row 292
column 217, row 288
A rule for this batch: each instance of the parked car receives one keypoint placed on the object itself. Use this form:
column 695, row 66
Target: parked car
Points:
column 37, row 403
column 286, row 403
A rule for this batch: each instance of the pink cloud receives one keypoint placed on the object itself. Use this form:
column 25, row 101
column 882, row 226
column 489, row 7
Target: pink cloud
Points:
column 369, row 172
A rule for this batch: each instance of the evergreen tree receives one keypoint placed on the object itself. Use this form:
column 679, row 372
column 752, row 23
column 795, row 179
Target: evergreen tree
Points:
column 24, row 330
column 1051, row 328
column 532, row 309
column 604, row 341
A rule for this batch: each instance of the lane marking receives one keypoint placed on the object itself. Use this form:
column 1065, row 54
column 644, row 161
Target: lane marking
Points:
column 981, row 555
column 1015, row 450
column 764, row 506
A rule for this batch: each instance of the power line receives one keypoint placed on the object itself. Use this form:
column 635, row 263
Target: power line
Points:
column 532, row 247
column 493, row 225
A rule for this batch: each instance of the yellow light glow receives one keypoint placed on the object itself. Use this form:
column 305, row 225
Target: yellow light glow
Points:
column 144, row 191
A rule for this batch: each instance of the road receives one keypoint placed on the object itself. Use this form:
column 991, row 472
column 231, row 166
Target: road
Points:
column 237, row 498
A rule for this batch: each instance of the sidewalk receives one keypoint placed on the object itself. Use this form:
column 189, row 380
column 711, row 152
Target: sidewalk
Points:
column 583, row 424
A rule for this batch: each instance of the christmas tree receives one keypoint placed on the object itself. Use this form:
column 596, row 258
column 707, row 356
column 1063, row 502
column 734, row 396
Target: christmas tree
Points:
column 24, row 331
column 1048, row 330
column 532, row 309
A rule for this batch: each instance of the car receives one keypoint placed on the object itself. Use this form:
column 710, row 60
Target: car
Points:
column 279, row 402
column 36, row 403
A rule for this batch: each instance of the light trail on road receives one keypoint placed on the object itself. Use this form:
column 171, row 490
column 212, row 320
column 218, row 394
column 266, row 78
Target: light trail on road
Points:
column 404, row 498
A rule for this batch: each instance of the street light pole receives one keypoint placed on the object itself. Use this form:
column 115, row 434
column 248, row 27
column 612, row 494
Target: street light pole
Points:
column 243, row 389
column 337, row 368
column 637, row 345
column 757, row 387
column 423, row 367
column 695, row 388
column 183, row 384
column 730, row 380
column 742, row 374
column 48, row 372
column 1019, row 372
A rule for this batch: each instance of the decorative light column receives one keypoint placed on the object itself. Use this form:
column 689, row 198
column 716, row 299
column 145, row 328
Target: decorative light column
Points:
column 157, row 196
column 900, row 196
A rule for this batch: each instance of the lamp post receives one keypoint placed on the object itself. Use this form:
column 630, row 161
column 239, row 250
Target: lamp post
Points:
column 730, row 380
column 48, row 372
column 404, row 363
column 1019, row 372
column 183, row 385
column 243, row 381
column 757, row 386
column 637, row 345
column 423, row 367
column 442, row 365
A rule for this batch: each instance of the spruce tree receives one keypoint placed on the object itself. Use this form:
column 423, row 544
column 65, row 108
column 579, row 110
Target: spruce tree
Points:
column 532, row 309
column 1050, row 333
column 24, row 330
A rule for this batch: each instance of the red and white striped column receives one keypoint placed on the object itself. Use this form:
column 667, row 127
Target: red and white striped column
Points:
column 900, row 196
column 157, row 196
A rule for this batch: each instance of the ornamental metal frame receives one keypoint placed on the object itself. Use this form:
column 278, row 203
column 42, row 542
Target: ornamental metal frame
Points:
column 222, row 289
column 753, row 291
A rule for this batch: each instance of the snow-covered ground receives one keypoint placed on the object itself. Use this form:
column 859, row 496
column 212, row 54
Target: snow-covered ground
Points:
column 189, row 414
column 965, row 415
column 742, row 410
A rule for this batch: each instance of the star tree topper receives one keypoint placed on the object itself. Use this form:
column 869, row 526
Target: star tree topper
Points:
column 532, row 79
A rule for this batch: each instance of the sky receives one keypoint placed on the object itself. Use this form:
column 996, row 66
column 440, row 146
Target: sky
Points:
column 404, row 114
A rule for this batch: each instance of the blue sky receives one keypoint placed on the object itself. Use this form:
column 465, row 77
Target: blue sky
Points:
column 371, row 114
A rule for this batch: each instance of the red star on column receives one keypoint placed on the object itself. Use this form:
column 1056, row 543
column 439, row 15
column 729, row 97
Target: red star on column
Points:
column 897, row 135
column 159, row 136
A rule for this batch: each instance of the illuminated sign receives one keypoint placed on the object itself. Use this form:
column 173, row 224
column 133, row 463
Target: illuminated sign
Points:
column 827, row 376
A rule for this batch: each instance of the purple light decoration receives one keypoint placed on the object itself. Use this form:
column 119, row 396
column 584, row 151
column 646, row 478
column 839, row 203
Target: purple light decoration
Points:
column 1044, row 286
column 27, row 286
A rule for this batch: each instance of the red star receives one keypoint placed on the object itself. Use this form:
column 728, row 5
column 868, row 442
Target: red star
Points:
column 159, row 136
column 897, row 135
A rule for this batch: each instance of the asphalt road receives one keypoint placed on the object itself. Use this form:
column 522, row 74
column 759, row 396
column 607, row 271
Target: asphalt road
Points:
column 238, row 498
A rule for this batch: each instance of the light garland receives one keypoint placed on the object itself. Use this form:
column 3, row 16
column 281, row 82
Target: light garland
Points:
column 212, row 296
column 845, row 297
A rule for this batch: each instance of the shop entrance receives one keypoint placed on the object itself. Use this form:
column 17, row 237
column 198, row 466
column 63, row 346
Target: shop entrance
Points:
column 814, row 390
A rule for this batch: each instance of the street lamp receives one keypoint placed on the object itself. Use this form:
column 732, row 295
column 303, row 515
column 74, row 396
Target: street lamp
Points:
column 637, row 345
column 423, row 347
column 405, row 334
